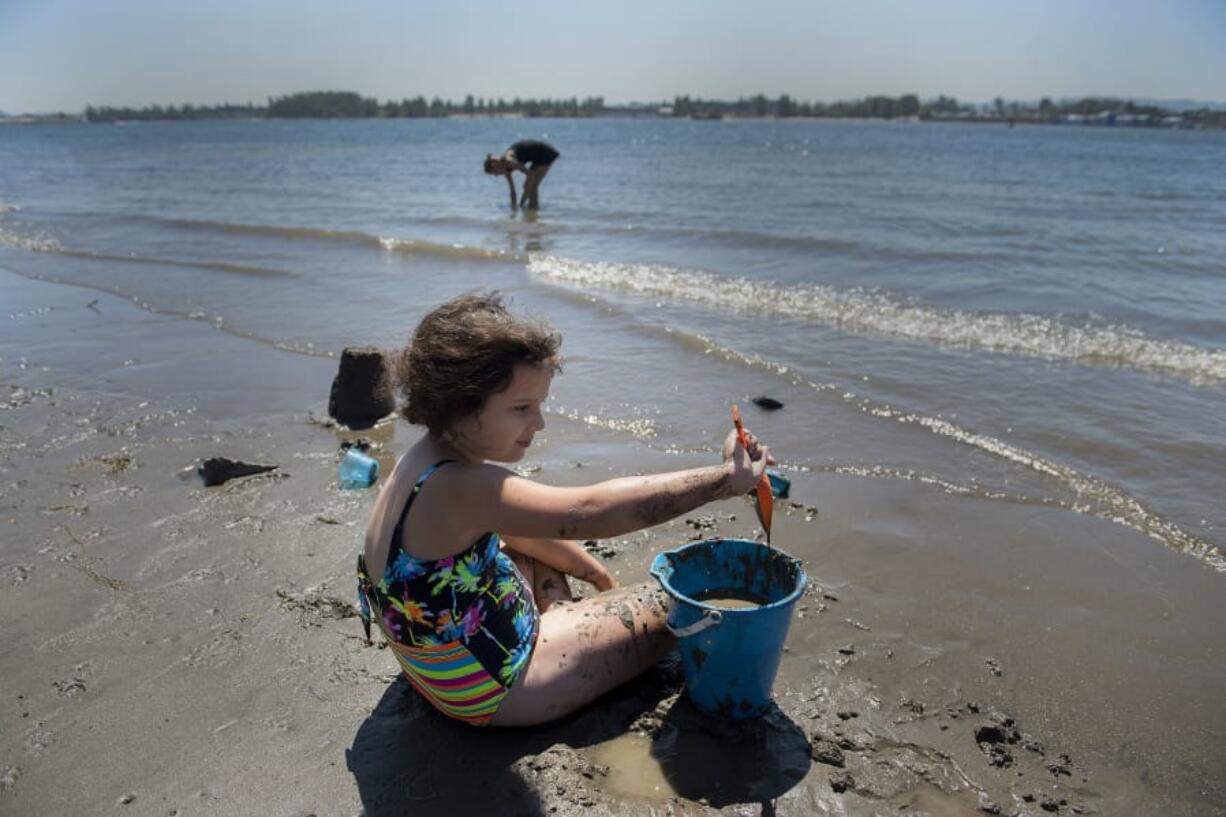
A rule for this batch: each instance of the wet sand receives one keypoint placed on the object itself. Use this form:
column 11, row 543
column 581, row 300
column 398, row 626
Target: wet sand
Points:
column 171, row 649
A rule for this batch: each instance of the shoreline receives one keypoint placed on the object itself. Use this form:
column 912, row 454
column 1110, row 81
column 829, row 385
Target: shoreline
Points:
column 210, row 631
column 70, row 119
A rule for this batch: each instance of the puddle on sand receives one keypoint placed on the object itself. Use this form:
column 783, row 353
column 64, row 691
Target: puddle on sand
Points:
column 685, row 760
column 633, row 771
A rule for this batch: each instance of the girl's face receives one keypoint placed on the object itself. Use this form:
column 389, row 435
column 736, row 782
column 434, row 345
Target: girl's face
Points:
column 504, row 427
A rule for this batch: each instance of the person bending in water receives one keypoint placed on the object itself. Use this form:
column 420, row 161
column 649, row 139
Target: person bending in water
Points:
column 465, row 563
column 531, row 157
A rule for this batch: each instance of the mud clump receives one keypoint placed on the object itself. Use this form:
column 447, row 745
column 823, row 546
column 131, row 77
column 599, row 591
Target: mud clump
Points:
column 841, row 782
column 604, row 550
column 995, row 735
column 826, row 751
column 218, row 470
column 312, row 606
column 561, row 777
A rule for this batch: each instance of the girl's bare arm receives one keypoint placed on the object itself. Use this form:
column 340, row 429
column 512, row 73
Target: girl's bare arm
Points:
column 566, row 556
column 488, row 497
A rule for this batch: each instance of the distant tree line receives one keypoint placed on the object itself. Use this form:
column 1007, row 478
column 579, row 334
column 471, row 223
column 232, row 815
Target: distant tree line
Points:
column 350, row 105
column 873, row 107
column 328, row 104
column 1091, row 110
column 322, row 105
column 171, row 113
column 347, row 104
column 943, row 107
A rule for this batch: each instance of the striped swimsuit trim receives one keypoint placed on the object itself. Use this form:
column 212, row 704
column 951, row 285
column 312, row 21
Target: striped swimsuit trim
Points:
column 451, row 679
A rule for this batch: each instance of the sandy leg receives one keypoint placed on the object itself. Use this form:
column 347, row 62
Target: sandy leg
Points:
column 586, row 649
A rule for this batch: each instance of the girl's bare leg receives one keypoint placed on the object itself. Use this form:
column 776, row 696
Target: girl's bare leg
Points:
column 548, row 584
column 585, row 649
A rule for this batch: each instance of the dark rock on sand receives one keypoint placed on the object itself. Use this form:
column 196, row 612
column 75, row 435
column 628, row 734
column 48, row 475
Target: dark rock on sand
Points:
column 604, row 550
column 707, row 522
column 216, row 470
column 998, row 755
column 826, row 751
column 989, row 733
column 994, row 735
column 1062, row 766
column 842, row 782
column 361, row 391
column 768, row 403
column 998, row 728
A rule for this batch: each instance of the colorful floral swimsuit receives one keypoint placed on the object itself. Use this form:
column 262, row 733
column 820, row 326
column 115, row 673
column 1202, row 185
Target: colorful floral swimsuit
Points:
column 461, row 627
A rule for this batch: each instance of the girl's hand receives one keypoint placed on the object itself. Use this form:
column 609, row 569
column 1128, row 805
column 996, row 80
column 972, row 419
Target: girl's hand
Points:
column 746, row 466
column 730, row 444
column 601, row 579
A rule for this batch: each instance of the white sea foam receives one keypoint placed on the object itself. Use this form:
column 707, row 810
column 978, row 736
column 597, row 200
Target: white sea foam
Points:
column 1091, row 495
column 864, row 312
column 33, row 241
column 461, row 251
column 642, row 428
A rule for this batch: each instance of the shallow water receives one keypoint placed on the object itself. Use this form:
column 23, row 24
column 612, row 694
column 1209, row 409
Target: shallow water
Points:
column 633, row 770
column 1026, row 316
column 730, row 599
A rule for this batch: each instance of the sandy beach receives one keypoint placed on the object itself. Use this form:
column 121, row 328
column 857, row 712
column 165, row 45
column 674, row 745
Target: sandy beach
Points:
column 171, row 649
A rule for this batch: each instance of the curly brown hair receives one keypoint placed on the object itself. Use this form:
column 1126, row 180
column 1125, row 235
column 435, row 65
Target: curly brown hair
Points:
column 464, row 351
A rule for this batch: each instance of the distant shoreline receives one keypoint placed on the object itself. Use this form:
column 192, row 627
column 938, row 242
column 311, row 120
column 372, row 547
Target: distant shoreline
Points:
column 1179, row 123
column 1090, row 110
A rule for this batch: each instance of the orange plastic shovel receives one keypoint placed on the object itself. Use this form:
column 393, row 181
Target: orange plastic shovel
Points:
column 766, row 502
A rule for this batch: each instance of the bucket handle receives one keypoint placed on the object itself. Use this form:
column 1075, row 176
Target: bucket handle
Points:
column 710, row 618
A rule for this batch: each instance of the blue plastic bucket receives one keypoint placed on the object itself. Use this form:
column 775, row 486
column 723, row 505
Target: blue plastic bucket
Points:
column 730, row 655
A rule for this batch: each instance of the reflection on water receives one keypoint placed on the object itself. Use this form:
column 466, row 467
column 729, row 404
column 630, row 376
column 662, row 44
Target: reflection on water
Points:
column 527, row 234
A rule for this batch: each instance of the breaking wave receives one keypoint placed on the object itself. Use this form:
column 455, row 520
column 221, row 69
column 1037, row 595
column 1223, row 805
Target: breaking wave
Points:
column 389, row 244
column 1091, row 495
column 864, row 312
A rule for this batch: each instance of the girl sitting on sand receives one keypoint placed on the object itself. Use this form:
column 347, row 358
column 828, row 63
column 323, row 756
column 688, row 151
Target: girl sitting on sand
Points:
column 465, row 562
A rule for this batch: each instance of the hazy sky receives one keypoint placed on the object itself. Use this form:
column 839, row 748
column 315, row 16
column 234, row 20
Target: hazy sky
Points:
column 65, row 54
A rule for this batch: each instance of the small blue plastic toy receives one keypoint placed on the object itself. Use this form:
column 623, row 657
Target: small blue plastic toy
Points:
column 780, row 485
column 358, row 470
